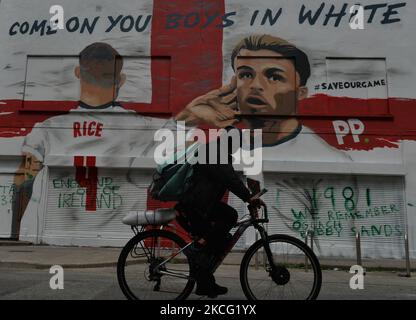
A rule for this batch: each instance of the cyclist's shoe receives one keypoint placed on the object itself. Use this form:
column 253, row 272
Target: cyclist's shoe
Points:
column 211, row 292
column 208, row 287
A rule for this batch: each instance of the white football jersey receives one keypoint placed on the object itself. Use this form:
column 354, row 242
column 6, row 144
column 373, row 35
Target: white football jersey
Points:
column 304, row 145
column 118, row 140
column 109, row 133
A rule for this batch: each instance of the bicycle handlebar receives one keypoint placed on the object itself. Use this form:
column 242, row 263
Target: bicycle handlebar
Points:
column 258, row 195
column 253, row 209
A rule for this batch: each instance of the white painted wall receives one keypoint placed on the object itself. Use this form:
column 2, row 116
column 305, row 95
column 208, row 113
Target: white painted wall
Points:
column 309, row 153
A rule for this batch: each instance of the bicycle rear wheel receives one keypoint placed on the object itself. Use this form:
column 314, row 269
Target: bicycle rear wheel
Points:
column 295, row 274
column 150, row 267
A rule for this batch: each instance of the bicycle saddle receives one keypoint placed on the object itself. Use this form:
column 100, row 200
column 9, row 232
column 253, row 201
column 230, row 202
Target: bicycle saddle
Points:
column 150, row 217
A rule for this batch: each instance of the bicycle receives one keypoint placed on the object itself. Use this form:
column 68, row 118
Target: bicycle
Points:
column 287, row 264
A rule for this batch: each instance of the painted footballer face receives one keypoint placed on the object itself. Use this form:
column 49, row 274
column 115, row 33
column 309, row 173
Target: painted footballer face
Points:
column 267, row 83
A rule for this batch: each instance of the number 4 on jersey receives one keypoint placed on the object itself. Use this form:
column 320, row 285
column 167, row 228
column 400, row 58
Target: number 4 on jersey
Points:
column 86, row 174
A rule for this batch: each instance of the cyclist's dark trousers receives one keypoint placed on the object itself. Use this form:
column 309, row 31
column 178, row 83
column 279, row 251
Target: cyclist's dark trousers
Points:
column 222, row 218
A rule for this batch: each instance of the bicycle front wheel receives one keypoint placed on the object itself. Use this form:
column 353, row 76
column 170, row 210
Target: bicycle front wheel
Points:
column 293, row 274
column 151, row 267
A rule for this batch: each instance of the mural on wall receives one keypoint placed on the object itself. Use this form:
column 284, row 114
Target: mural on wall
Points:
column 312, row 90
column 270, row 80
column 333, row 211
column 88, row 137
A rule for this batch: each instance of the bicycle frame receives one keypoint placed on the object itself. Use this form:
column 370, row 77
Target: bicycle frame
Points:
column 179, row 275
column 242, row 227
column 276, row 271
column 243, row 224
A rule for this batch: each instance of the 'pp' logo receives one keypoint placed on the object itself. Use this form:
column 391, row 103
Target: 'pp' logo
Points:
column 343, row 128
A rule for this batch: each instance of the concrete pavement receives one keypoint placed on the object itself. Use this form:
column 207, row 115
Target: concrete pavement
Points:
column 18, row 254
column 90, row 273
column 43, row 257
column 101, row 284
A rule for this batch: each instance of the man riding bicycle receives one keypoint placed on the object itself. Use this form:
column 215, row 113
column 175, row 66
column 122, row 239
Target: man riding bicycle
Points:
column 209, row 218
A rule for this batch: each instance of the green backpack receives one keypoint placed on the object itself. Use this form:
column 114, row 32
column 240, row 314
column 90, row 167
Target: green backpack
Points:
column 174, row 177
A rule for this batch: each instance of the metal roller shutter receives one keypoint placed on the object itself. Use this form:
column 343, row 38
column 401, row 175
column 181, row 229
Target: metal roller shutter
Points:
column 335, row 207
column 6, row 197
column 66, row 216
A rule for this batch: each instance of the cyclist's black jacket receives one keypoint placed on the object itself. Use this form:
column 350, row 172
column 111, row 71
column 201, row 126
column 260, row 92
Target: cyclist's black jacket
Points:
column 209, row 184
